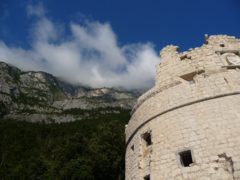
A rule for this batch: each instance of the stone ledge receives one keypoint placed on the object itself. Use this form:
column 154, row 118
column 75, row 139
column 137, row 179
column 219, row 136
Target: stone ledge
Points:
column 177, row 107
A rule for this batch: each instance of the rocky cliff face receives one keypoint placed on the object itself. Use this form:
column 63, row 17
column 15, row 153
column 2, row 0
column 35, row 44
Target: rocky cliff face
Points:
column 39, row 96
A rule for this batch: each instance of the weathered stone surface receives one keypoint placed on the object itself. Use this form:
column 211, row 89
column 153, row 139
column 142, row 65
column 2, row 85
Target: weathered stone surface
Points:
column 194, row 105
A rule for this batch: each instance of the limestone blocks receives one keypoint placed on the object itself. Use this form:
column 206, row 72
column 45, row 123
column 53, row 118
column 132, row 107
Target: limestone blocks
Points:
column 188, row 125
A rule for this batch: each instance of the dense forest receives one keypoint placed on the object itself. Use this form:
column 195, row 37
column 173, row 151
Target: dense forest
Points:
column 91, row 149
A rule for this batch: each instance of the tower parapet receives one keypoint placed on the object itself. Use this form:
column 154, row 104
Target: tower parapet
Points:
column 169, row 52
column 191, row 116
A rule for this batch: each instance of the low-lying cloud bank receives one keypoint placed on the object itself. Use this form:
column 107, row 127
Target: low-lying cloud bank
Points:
column 88, row 55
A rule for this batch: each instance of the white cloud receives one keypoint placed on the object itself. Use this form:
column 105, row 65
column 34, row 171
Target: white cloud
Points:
column 37, row 10
column 89, row 55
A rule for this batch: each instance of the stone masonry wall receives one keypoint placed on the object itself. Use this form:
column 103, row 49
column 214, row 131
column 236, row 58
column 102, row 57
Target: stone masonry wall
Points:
column 194, row 106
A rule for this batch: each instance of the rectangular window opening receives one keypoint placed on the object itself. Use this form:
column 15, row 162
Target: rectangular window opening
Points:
column 147, row 137
column 147, row 177
column 186, row 158
column 222, row 45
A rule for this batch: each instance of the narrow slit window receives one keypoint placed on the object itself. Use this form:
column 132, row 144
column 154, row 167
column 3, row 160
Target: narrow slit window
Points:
column 147, row 177
column 147, row 137
column 186, row 158
column 132, row 147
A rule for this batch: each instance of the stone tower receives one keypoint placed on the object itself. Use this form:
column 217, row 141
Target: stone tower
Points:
column 188, row 125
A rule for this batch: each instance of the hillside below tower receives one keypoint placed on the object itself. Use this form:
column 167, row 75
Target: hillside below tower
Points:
column 188, row 125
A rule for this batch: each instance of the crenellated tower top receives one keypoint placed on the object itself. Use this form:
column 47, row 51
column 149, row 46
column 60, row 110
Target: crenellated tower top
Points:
column 218, row 53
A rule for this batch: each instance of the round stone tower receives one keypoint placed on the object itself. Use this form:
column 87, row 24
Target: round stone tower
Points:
column 188, row 125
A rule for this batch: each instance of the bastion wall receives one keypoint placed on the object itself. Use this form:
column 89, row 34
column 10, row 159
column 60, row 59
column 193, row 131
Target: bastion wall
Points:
column 188, row 125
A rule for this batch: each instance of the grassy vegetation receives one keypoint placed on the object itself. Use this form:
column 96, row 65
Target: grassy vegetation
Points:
column 88, row 149
column 26, row 99
column 93, row 112
column 15, row 73
column 56, row 92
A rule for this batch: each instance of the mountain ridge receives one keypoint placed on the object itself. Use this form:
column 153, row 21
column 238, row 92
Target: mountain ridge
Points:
column 38, row 96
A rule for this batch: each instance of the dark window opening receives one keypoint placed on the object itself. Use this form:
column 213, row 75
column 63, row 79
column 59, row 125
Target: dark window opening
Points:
column 147, row 177
column 189, row 77
column 147, row 138
column 186, row 158
column 132, row 147
column 222, row 45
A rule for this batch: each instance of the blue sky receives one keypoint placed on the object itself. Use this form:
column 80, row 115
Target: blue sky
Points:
column 137, row 29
